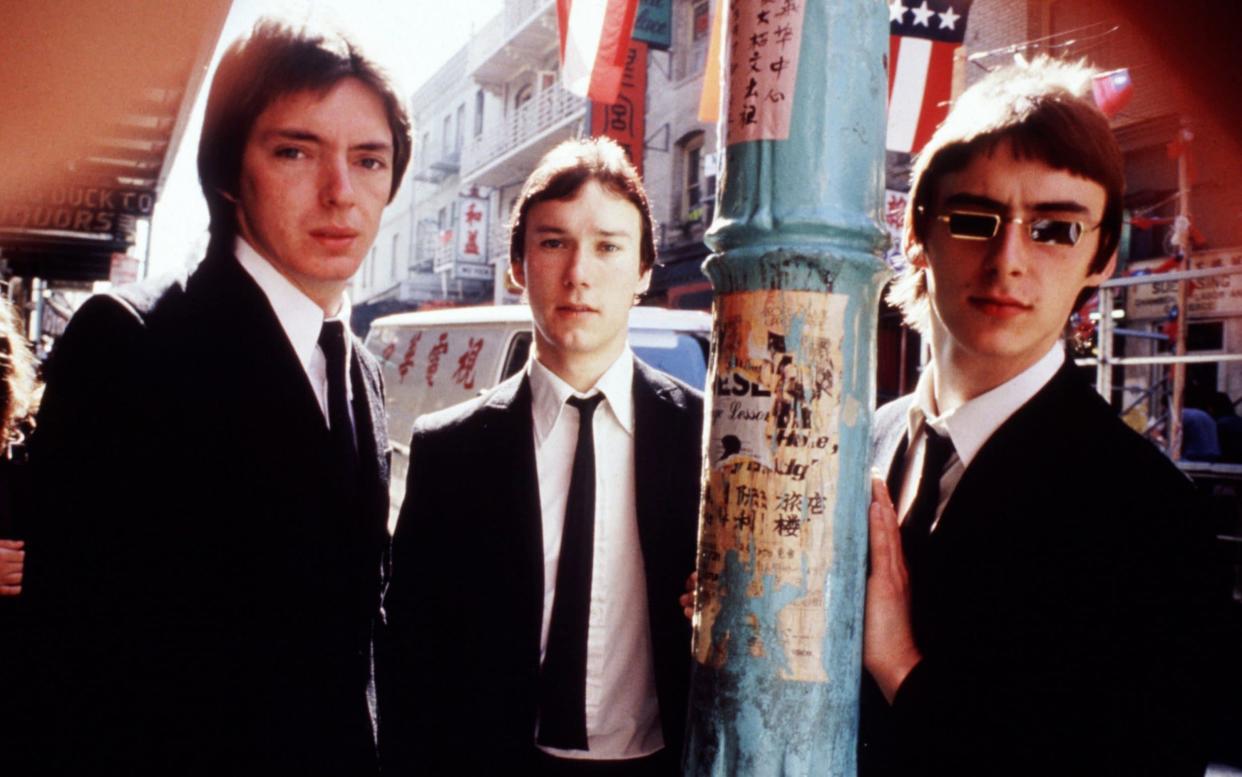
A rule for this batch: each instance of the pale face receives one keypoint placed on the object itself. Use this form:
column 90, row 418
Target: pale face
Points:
column 999, row 305
column 315, row 176
column 581, row 272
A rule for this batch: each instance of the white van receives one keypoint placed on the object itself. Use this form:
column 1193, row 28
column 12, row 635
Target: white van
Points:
column 435, row 358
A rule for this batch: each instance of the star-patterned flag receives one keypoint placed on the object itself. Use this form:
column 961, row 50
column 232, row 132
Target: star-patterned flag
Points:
column 923, row 39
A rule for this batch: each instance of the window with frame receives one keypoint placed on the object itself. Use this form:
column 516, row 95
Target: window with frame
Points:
column 694, row 28
column 446, row 139
column 692, row 194
column 392, row 270
column 524, row 95
column 461, row 127
column 1151, row 198
column 478, row 113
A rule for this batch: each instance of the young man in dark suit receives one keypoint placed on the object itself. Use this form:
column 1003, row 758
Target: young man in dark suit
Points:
column 211, row 454
column 1042, row 606
column 547, row 525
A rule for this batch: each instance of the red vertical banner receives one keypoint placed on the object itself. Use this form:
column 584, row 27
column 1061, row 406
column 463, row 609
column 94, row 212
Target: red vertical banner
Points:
column 625, row 120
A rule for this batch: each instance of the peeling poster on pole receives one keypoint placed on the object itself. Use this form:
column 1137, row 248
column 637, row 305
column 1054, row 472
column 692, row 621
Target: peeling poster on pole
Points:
column 773, row 455
column 763, row 43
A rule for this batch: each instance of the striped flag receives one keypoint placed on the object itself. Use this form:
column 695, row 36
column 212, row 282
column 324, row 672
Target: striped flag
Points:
column 595, row 39
column 923, row 39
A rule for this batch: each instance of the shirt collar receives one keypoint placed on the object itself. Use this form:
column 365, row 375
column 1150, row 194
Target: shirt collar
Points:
column 299, row 315
column 972, row 424
column 549, row 392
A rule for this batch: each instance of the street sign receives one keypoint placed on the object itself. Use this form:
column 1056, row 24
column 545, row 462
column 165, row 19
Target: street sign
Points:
column 471, row 271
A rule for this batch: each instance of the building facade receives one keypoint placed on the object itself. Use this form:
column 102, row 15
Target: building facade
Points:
column 483, row 121
column 488, row 115
column 416, row 260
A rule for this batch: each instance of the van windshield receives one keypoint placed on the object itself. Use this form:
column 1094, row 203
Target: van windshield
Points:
column 681, row 355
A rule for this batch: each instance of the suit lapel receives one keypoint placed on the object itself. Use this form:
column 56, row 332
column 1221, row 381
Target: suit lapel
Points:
column 508, row 436
column 897, row 469
column 369, row 420
column 1008, row 450
column 251, row 342
column 890, row 442
column 652, row 421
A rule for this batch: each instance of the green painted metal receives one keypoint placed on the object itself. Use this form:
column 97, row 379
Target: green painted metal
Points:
column 796, row 274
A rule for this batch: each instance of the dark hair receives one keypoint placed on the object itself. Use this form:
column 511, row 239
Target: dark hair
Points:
column 1041, row 111
column 560, row 174
column 273, row 61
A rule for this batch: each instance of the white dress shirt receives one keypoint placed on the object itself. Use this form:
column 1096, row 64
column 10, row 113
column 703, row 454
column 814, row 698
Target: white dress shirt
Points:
column 969, row 426
column 301, row 318
column 622, row 714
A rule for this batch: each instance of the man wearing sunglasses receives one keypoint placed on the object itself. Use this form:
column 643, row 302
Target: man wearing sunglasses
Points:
column 1038, row 590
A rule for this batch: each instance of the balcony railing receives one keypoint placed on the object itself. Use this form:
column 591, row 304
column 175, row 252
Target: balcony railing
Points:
column 518, row 11
column 443, row 256
column 548, row 109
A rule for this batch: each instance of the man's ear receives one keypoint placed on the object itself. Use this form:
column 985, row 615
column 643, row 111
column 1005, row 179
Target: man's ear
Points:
column 644, row 284
column 1096, row 278
column 517, row 275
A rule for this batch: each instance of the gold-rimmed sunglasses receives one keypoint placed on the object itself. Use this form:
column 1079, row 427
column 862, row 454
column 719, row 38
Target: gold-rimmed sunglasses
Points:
column 979, row 225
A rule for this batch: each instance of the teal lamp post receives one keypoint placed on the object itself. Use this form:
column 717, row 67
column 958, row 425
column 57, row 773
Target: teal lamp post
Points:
column 796, row 275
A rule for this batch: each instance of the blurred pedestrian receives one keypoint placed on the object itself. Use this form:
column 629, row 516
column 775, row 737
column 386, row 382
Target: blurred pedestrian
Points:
column 1228, row 427
column 18, row 400
column 1199, row 437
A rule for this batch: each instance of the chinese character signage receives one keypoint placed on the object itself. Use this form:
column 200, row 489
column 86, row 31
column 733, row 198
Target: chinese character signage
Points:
column 764, row 37
column 624, row 120
column 472, row 230
column 894, row 220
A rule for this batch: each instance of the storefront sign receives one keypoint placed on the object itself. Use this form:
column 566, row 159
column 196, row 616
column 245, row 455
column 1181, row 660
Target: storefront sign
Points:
column 472, row 230
column 1213, row 297
column 653, row 23
column 75, row 208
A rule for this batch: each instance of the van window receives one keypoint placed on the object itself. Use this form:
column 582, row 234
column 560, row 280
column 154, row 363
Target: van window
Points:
column 679, row 354
column 519, row 352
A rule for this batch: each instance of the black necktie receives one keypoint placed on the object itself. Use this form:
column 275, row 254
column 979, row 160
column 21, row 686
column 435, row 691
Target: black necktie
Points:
column 562, row 683
column 344, row 443
column 916, row 529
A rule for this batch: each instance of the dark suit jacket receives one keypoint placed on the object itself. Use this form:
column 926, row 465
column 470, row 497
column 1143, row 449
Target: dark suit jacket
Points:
column 1062, row 616
column 207, row 582
column 458, row 676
